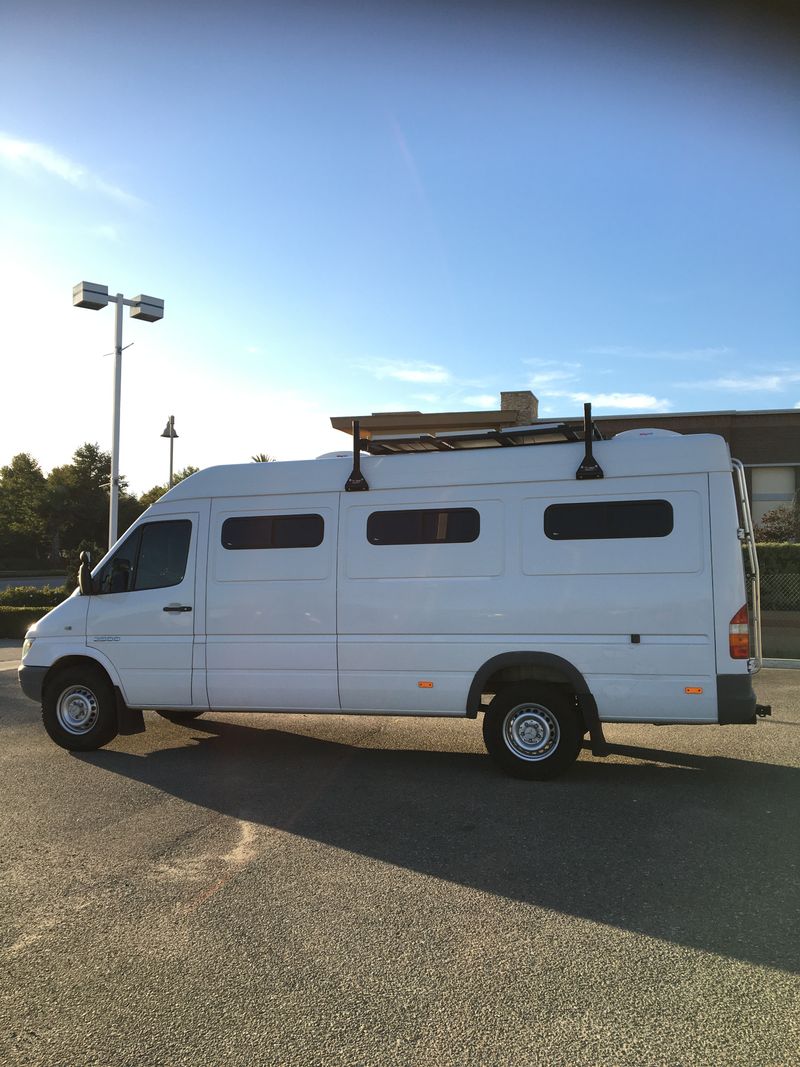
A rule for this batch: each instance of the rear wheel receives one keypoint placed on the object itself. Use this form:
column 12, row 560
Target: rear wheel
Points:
column 532, row 730
column 180, row 716
column 79, row 711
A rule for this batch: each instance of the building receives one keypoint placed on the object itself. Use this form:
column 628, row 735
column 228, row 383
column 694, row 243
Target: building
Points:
column 767, row 442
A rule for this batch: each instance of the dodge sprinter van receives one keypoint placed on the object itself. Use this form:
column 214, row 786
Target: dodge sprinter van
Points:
column 544, row 579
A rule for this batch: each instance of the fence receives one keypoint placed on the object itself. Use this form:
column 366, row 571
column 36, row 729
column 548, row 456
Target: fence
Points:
column 780, row 592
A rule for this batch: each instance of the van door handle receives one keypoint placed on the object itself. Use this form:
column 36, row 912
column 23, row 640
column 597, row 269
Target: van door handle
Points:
column 177, row 607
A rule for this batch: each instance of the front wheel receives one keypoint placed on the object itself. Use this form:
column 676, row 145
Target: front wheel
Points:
column 532, row 730
column 79, row 711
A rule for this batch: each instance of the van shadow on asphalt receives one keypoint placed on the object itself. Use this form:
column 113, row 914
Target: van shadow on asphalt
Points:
column 696, row 850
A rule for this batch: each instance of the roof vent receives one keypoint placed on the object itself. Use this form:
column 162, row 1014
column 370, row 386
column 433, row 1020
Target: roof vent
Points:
column 645, row 431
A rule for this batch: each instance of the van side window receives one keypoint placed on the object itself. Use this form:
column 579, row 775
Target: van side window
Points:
column 153, row 557
column 608, row 519
column 431, row 526
column 273, row 531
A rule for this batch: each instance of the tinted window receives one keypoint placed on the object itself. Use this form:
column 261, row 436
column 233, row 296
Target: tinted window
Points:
column 433, row 526
column 273, row 531
column 607, row 519
column 117, row 574
column 153, row 557
column 163, row 553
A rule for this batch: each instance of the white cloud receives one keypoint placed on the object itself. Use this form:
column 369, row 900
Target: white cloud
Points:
column 619, row 401
column 554, row 377
column 564, row 383
column 408, row 371
column 768, row 383
column 106, row 231
column 631, row 352
column 483, row 400
column 28, row 155
column 622, row 401
column 534, row 361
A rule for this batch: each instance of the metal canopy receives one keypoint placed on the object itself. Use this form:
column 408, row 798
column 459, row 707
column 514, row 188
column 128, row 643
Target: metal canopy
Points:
column 415, row 423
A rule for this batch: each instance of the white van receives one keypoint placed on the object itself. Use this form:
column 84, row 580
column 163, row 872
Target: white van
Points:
column 550, row 590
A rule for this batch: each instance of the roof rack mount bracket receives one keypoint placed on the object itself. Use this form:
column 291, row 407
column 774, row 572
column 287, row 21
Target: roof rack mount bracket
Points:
column 589, row 468
column 356, row 483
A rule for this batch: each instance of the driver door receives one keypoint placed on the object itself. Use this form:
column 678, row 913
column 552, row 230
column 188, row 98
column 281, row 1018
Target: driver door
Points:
column 142, row 611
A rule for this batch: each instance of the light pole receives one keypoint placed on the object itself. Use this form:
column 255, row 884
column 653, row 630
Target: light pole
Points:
column 169, row 431
column 148, row 309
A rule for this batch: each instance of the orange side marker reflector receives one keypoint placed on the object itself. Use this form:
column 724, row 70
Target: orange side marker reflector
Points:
column 425, row 685
column 693, row 689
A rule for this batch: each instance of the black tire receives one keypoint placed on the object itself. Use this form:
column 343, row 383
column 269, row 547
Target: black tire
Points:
column 532, row 730
column 180, row 716
column 79, row 709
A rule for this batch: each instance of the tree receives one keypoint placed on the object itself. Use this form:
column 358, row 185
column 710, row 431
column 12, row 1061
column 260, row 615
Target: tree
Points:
column 262, row 457
column 78, row 500
column 150, row 497
column 22, row 513
column 780, row 524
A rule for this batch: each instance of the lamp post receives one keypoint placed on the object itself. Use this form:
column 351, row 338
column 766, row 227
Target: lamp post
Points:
column 148, row 309
column 169, row 431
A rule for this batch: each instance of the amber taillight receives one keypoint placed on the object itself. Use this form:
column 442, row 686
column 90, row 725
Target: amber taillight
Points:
column 739, row 634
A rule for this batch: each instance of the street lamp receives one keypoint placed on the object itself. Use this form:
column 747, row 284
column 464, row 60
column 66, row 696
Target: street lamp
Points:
column 169, row 431
column 148, row 309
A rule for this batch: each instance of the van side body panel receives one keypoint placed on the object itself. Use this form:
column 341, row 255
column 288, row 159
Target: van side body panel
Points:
column 633, row 615
column 271, row 629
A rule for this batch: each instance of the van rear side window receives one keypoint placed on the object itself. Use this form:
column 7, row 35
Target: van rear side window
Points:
column 273, row 531
column 431, row 526
column 608, row 519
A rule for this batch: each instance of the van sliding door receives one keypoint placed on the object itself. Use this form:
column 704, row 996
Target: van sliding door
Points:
column 271, row 609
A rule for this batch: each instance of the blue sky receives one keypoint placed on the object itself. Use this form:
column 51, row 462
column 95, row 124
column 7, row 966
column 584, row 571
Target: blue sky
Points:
column 354, row 210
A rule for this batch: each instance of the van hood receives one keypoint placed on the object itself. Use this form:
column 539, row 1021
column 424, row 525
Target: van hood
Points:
column 68, row 617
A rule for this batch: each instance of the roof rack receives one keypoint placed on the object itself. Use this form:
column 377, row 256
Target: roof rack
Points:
column 460, row 440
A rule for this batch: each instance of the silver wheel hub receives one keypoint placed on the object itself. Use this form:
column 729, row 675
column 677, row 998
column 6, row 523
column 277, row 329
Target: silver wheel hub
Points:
column 531, row 732
column 77, row 709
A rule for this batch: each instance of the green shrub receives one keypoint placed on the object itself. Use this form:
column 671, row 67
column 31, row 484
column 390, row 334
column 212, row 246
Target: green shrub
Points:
column 778, row 557
column 15, row 621
column 29, row 596
column 29, row 572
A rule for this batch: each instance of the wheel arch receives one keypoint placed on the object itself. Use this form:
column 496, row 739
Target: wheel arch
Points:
column 80, row 660
column 547, row 667
column 511, row 667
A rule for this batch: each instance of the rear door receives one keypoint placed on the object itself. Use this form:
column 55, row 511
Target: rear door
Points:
column 142, row 617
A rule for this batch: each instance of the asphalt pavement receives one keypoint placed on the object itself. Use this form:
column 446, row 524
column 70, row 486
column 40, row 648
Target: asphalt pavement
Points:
column 303, row 890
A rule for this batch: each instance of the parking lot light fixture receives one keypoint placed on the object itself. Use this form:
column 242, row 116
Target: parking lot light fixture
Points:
column 170, row 432
column 148, row 308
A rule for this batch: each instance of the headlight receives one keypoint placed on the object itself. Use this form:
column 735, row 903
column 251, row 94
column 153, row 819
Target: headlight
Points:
column 26, row 646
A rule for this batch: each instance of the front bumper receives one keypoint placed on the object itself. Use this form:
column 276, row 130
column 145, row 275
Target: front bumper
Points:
column 31, row 680
column 736, row 701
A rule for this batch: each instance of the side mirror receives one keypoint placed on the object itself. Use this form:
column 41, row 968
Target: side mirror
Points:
column 85, row 574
